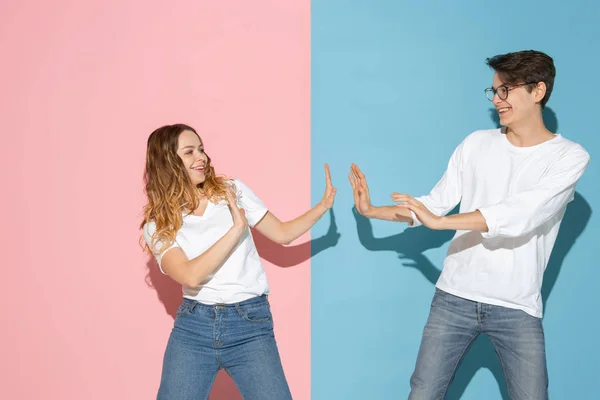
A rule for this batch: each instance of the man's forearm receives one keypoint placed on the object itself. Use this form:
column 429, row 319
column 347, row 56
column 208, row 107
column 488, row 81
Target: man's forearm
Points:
column 390, row 213
column 472, row 221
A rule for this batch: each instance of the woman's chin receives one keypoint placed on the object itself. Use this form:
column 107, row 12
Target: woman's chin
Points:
column 196, row 181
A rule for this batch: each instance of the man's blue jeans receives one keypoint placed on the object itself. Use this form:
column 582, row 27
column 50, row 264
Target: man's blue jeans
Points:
column 453, row 325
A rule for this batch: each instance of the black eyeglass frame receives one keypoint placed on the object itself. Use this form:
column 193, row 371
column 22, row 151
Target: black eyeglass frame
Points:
column 491, row 92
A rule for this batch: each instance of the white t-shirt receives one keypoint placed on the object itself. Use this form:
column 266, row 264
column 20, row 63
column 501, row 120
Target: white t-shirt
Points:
column 522, row 192
column 241, row 276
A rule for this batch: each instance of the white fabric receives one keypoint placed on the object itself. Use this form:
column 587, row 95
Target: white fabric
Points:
column 242, row 275
column 522, row 192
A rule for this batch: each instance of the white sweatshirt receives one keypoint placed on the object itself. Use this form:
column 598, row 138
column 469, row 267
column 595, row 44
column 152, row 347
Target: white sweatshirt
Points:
column 522, row 192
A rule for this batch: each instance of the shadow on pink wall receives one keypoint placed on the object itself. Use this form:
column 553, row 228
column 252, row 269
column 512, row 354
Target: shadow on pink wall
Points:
column 169, row 291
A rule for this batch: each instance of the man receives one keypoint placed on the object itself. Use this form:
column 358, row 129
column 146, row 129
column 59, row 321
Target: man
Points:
column 513, row 185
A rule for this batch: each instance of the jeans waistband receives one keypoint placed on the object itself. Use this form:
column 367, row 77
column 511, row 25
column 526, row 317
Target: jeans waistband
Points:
column 254, row 301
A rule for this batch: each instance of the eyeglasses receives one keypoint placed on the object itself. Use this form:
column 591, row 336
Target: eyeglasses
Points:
column 502, row 91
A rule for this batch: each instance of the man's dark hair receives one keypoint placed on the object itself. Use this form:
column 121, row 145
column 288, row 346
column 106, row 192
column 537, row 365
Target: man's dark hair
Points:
column 525, row 66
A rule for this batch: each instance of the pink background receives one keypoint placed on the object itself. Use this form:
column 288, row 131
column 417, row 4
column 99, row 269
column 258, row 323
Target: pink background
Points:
column 85, row 313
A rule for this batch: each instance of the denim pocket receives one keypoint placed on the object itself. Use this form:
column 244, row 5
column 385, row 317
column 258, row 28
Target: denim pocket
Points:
column 185, row 308
column 260, row 313
column 442, row 299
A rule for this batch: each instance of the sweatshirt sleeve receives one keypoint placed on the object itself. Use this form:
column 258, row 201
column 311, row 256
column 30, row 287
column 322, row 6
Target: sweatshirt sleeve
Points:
column 446, row 194
column 523, row 212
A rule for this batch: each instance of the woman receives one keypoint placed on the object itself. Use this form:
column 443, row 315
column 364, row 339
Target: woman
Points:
column 196, row 225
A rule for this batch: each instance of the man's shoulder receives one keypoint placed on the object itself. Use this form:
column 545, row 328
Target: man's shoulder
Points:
column 484, row 135
column 479, row 140
column 569, row 149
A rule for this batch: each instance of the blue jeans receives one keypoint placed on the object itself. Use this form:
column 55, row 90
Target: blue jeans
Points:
column 453, row 325
column 235, row 337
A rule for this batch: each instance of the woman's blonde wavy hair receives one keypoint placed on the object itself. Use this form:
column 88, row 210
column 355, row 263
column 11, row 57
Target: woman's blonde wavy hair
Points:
column 168, row 187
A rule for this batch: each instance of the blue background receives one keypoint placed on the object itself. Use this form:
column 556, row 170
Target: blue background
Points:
column 396, row 86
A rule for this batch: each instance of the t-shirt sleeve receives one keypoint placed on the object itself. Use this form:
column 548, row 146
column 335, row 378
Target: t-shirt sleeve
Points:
column 255, row 209
column 148, row 231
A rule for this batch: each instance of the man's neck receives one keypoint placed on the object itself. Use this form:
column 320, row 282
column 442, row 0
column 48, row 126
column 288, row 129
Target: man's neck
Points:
column 528, row 132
